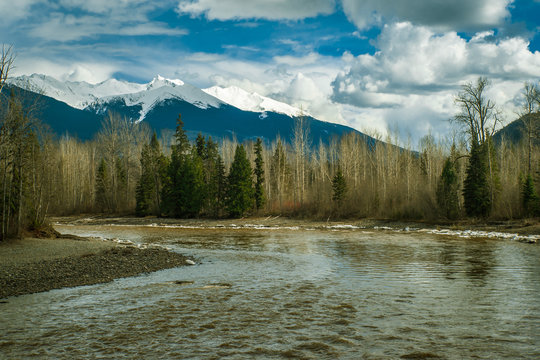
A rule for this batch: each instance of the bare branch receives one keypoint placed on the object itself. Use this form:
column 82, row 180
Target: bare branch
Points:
column 7, row 58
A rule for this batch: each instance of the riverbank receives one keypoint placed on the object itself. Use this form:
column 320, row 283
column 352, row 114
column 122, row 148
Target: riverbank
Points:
column 527, row 229
column 35, row 265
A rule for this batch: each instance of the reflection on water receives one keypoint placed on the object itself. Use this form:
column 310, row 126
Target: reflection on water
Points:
column 295, row 294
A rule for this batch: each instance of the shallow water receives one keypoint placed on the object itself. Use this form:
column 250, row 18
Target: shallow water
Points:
column 293, row 294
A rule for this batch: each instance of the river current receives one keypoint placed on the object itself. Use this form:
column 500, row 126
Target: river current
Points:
column 293, row 294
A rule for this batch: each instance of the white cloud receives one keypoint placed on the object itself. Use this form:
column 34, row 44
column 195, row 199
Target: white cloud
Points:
column 91, row 72
column 15, row 10
column 412, row 79
column 442, row 14
column 262, row 9
column 62, row 27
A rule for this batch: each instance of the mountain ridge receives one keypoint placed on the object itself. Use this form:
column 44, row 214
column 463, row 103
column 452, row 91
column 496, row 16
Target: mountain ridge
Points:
column 159, row 103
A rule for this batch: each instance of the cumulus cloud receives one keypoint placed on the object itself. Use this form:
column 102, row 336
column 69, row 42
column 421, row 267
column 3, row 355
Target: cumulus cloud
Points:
column 262, row 9
column 443, row 14
column 416, row 60
column 412, row 78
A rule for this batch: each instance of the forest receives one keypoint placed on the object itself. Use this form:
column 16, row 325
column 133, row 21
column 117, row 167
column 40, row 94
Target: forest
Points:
column 127, row 169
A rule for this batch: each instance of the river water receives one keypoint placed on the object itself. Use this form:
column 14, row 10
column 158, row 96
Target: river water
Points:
column 293, row 294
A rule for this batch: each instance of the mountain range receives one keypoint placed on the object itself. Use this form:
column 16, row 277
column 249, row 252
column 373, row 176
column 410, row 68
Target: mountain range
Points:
column 77, row 108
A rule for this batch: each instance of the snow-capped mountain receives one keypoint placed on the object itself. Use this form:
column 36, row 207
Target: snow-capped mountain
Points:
column 82, row 95
column 247, row 101
column 159, row 90
column 74, row 93
column 78, row 108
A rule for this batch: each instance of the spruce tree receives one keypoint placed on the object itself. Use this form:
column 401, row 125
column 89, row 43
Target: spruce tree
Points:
column 148, row 191
column 339, row 187
column 447, row 190
column 240, row 194
column 102, row 186
column 476, row 190
column 214, row 173
column 172, row 189
column 200, row 146
column 259, row 176
column 529, row 197
column 191, row 186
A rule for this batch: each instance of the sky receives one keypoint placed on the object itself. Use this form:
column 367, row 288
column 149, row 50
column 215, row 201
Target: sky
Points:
column 380, row 66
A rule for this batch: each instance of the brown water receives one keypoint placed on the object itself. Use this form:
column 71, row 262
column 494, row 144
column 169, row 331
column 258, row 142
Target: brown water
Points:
column 294, row 294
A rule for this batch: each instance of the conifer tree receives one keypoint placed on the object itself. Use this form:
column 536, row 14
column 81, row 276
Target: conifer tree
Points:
column 339, row 187
column 529, row 197
column 240, row 194
column 259, row 176
column 448, row 190
column 191, row 186
column 148, row 191
column 200, row 145
column 214, row 173
column 172, row 189
column 102, row 185
column 476, row 191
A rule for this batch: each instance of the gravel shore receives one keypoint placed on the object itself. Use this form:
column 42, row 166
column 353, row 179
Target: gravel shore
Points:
column 35, row 265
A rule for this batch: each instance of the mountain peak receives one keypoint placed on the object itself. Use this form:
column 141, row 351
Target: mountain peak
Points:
column 247, row 101
column 160, row 81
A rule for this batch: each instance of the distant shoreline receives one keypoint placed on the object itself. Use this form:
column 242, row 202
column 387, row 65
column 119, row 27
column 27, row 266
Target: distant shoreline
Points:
column 525, row 229
column 35, row 265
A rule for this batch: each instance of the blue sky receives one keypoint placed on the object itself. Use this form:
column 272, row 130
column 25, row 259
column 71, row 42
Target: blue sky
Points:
column 373, row 64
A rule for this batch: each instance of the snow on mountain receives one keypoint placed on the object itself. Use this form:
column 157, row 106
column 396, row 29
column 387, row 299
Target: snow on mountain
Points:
column 160, row 89
column 82, row 95
column 76, row 94
column 247, row 101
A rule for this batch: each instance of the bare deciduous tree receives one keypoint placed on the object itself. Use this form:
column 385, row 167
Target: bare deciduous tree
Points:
column 7, row 58
column 478, row 114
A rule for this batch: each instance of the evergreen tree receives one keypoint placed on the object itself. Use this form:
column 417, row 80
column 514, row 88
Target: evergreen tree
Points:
column 240, row 195
column 476, row 190
column 259, row 176
column 200, row 146
column 191, row 186
column 529, row 197
column 214, row 173
column 172, row 189
column 153, row 166
column 447, row 190
column 102, row 186
column 339, row 187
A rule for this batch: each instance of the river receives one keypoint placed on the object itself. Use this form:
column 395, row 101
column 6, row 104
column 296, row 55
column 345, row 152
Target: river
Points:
column 293, row 294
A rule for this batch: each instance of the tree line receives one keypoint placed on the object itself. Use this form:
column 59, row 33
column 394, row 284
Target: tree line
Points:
column 127, row 169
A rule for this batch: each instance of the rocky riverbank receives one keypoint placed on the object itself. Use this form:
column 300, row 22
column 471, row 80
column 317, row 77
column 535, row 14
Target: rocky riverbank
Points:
column 35, row 265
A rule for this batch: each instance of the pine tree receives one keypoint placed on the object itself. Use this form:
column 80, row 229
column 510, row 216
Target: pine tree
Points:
column 447, row 190
column 240, row 194
column 259, row 176
column 339, row 187
column 476, row 191
column 529, row 197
